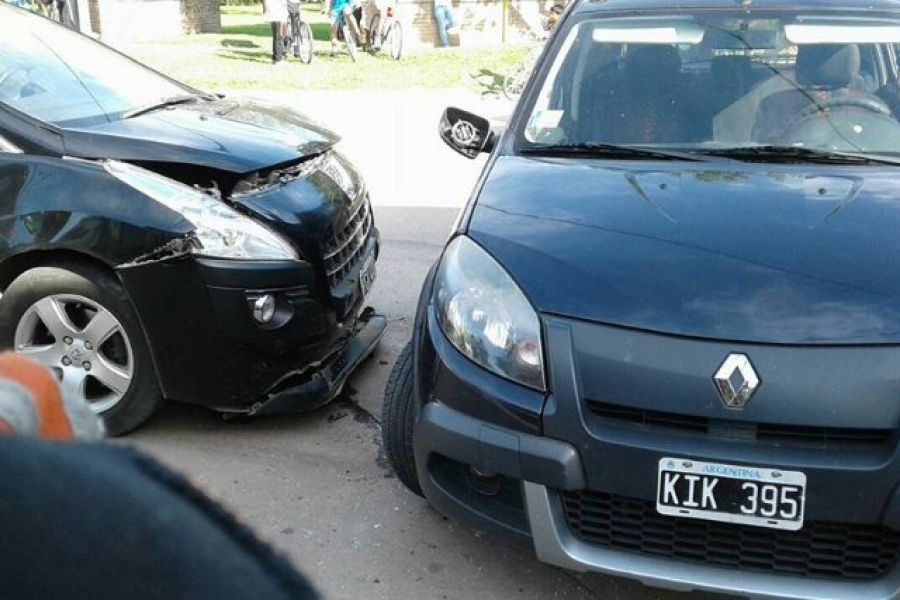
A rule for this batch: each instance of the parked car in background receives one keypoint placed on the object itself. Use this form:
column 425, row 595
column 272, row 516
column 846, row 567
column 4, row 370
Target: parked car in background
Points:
column 161, row 242
column 663, row 340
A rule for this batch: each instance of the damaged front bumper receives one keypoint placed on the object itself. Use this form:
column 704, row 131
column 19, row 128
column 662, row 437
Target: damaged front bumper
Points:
column 206, row 348
column 318, row 384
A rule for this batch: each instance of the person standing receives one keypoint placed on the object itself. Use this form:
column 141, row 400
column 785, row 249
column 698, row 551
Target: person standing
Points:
column 337, row 8
column 277, row 14
column 445, row 19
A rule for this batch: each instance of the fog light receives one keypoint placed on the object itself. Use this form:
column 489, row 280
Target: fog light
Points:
column 264, row 309
column 486, row 483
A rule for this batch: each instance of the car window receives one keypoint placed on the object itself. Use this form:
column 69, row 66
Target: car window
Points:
column 7, row 147
column 56, row 75
column 710, row 80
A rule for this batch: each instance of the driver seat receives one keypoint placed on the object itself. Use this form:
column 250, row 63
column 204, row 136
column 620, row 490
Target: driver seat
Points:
column 823, row 72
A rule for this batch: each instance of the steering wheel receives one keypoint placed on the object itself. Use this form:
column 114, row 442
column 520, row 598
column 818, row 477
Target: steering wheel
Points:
column 12, row 71
column 864, row 102
column 872, row 125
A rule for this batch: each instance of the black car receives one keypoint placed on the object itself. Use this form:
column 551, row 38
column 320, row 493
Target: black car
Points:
column 663, row 340
column 160, row 242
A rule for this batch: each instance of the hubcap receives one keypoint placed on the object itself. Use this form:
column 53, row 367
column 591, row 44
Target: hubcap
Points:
column 83, row 344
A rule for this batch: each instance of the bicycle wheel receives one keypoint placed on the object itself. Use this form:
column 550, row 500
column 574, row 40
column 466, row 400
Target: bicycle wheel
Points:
column 395, row 40
column 288, row 41
column 350, row 40
column 304, row 43
column 514, row 83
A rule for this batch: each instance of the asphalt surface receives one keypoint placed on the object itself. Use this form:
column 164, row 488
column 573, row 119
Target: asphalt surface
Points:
column 317, row 486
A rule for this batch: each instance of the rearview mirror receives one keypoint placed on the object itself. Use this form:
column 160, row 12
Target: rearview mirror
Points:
column 466, row 133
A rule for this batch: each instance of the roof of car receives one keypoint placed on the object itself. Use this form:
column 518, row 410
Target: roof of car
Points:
column 675, row 6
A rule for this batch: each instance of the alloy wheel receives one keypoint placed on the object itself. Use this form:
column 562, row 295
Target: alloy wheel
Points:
column 83, row 343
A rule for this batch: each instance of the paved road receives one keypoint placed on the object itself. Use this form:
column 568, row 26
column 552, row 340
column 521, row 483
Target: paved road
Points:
column 316, row 486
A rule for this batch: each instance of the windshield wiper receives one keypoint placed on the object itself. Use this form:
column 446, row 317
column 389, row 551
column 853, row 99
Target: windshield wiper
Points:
column 799, row 154
column 609, row 151
column 165, row 103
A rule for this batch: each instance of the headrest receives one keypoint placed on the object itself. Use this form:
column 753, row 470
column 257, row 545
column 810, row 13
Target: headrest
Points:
column 729, row 67
column 827, row 66
column 649, row 65
column 662, row 57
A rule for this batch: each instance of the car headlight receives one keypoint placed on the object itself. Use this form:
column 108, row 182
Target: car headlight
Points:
column 221, row 231
column 486, row 316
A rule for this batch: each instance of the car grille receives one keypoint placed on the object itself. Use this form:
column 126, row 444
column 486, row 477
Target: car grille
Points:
column 783, row 435
column 345, row 250
column 820, row 550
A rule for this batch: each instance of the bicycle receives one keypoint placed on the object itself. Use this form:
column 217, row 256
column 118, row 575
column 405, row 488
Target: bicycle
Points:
column 514, row 82
column 298, row 39
column 349, row 32
column 59, row 12
column 389, row 35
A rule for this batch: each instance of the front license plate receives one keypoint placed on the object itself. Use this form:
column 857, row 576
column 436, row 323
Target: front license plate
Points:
column 731, row 493
column 367, row 275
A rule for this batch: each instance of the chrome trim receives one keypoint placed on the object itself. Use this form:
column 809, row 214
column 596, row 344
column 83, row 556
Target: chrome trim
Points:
column 359, row 242
column 353, row 233
column 554, row 544
column 736, row 393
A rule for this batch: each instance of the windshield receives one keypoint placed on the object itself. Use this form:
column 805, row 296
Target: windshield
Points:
column 58, row 76
column 720, row 80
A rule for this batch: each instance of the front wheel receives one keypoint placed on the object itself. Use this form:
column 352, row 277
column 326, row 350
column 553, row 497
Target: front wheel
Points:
column 398, row 418
column 305, row 43
column 514, row 83
column 395, row 40
column 350, row 41
column 77, row 321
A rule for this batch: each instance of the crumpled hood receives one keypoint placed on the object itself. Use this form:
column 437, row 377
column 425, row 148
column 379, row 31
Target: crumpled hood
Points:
column 238, row 136
column 746, row 252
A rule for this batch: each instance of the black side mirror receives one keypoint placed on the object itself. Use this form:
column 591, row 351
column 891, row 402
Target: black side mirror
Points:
column 466, row 133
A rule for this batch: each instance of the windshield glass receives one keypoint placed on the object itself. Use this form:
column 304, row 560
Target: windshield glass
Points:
column 58, row 76
column 719, row 80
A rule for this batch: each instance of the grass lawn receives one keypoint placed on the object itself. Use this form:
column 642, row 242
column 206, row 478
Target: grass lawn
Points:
column 240, row 59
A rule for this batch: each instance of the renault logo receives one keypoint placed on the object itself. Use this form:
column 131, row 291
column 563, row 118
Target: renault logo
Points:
column 736, row 381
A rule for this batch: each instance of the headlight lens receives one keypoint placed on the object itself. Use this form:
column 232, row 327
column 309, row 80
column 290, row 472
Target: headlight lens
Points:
column 486, row 316
column 221, row 231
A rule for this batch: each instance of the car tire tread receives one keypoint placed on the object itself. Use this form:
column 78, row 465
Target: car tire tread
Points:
column 398, row 418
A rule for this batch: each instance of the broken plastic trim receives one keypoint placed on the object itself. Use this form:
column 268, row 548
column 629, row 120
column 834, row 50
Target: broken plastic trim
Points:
column 172, row 249
column 263, row 180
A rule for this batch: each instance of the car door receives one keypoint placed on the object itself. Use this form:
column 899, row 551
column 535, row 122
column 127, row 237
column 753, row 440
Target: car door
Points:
column 13, row 178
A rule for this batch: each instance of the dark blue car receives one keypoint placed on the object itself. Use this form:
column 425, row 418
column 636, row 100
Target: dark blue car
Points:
column 663, row 340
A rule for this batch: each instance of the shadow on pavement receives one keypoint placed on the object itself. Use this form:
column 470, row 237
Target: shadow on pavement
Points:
column 229, row 43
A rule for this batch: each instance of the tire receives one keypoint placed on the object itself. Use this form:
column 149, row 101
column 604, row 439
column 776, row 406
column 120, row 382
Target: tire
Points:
column 304, row 43
column 350, row 42
column 395, row 40
column 398, row 418
column 121, row 356
column 514, row 83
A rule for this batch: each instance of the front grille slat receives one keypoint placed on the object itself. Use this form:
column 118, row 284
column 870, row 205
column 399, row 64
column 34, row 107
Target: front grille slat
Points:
column 784, row 435
column 342, row 253
column 819, row 550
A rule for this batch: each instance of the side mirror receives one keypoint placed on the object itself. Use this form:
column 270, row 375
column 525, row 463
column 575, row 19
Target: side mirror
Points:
column 468, row 134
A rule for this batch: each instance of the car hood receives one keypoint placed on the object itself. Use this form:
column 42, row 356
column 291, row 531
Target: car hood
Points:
column 799, row 254
column 238, row 136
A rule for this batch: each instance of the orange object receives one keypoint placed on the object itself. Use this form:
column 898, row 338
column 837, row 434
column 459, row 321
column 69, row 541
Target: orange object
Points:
column 53, row 420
